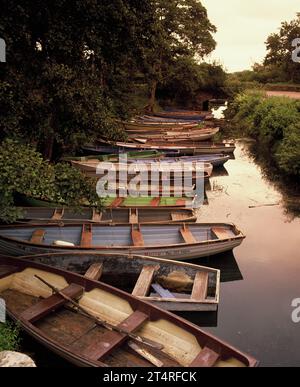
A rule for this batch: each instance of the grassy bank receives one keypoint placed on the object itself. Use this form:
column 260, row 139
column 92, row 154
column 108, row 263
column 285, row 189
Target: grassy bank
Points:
column 274, row 123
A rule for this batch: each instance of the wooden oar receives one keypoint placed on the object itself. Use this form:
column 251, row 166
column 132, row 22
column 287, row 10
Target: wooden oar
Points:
column 98, row 321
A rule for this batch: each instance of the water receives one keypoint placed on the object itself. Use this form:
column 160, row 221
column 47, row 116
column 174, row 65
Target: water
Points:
column 255, row 312
column 260, row 279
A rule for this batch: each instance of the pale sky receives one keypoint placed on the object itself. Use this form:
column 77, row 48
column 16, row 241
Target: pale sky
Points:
column 243, row 27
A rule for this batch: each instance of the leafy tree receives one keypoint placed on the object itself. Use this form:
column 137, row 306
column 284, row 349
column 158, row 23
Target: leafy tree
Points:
column 279, row 46
column 186, row 79
column 182, row 29
column 64, row 77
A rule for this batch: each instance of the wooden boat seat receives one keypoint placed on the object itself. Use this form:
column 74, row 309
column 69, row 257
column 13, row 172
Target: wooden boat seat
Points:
column 86, row 235
column 95, row 272
column 97, row 216
column 200, row 288
column 221, row 233
column 112, row 339
column 137, row 237
column 58, row 214
column 50, row 304
column 133, row 216
column 144, row 281
column 187, row 235
column 37, row 237
column 206, row 358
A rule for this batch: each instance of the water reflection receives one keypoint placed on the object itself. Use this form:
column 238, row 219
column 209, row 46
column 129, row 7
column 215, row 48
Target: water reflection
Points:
column 226, row 262
column 221, row 171
column 202, row 319
column 289, row 187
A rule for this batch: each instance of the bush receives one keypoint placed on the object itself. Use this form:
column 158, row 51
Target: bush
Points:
column 274, row 122
column 9, row 337
column 23, row 171
column 288, row 153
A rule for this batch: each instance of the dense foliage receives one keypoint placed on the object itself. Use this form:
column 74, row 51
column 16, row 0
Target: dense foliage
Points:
column 24, row 171
column 187, row 79
column 274, row 123
column 182, row 33
column 73, row 67
column 9, row 337
column 68, row 63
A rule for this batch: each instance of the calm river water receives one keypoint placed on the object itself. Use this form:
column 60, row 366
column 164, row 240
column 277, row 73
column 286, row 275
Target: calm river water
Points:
column 261, row 278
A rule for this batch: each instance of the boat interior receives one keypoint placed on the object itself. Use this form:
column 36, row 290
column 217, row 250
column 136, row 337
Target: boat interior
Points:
column 55, row 322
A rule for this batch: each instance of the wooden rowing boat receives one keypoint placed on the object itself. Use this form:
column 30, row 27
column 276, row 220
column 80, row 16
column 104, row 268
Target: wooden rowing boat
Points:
column 170, row 285
column 172, row 241
column 139, row 155
column 181, row 149
column 156, row 170
column 92, row 324
column 114, row 202
column 113, row 215
column 161, row 125
column 196, row 135
column 184, row 115
column 152, row 203
column 216, row 160
column 158, row 120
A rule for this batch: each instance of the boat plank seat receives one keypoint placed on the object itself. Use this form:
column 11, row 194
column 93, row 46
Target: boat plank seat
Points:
column 86, row 235
column 144, row 281
column 58, row 214
column 221, row 233
column 187, row 235
column 50, row 304
column 137, row 237
column 206, row 358
column 133, row 216
column 94, row 272
column 200, row 288
column 155, row 202
column 37, row 236
column 117, row 202
column 97, row 216
column 112, row 339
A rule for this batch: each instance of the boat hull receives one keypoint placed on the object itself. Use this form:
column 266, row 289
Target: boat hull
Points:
column 180, row 253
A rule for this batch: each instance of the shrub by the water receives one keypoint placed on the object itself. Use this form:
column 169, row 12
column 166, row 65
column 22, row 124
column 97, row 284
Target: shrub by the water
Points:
column 273, row 122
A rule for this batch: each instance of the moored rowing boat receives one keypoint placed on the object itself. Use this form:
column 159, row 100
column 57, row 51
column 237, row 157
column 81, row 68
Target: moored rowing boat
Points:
column 93, row 324
column 172, row 241
column 180, row 286
column 113, row 215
